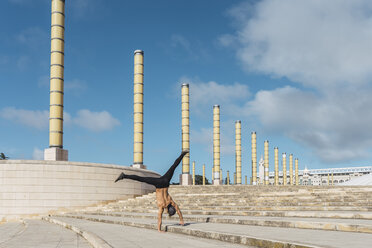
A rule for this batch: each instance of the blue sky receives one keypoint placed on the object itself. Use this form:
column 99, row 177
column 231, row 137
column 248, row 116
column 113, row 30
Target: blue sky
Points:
column 296, row 72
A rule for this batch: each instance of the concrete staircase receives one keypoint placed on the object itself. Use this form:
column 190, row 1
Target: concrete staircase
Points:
column 257, row 216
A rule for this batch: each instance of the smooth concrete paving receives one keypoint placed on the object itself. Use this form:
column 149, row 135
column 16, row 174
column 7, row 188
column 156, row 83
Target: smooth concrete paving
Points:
column 123, row 236
column 317, row 238
column 10, row 230
column 40, row 234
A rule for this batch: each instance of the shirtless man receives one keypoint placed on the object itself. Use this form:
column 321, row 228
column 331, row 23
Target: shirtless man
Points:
column 164, row 200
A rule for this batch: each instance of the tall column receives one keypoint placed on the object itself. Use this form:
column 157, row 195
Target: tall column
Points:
column 254, row 158
column 296, row 171
column 203, row 174
column 227, row 178
column 246, row 180
column 212, row 174
column 55, row 151
column 291, row 169
column 328, row 179
column 235, row 178
column 276, row 158
column 138, row 109
column 238, row 152
column 216, row 144
column 284, row 164
column 193, row 173
column 266, row 155
column 185, row 177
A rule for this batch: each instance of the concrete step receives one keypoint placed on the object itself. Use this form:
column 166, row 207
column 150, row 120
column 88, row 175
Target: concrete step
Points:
column 41, row 234
column 257, row 236
column 301, row 214
column 121, row 236
column 260, row 199
column 264, row 203
column 249, row 188
column 346, row 225
column 251, row 208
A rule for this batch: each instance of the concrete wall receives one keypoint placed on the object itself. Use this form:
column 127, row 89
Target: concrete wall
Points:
column 30, row 187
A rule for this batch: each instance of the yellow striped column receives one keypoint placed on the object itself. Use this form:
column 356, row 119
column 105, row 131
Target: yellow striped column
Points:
column 284, row 164
column 185, row 177
column 266, row 161
column 216, row 145
column 276, row 159
column 227, row 178
column 254, row 158
column 203, row 174
column 246, row 180
column 55, row 150
column 291, row 169
column 193, row 173
column 212, row 174
column 238, row 152
column 138, row 109
column 328, row 178
column 296, row 171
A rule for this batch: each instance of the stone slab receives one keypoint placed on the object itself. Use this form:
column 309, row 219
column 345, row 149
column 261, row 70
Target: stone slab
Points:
column 41, row 234
column 123, row 236
column 310, row 238
column 55, row 154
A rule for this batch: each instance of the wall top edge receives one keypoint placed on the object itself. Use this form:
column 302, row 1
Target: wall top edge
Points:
column 85, row 164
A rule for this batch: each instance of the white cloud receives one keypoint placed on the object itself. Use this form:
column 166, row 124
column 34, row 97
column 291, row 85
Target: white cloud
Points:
column 323, row 45
column 204, row 136
column 227, row 40
column 317, row 43
column 39, row 119
column 95, row 121
column 335, row 126
column 204, row 95
column 32, row 118
column 38, row 154
column 33, row 37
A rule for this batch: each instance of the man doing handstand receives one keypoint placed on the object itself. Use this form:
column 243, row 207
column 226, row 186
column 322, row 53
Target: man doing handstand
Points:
column 164, row 200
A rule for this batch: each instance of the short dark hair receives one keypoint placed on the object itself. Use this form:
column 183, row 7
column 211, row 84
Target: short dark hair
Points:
column 171, row 210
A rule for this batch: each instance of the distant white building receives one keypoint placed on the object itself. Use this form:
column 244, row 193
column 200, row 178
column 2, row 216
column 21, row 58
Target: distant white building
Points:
column 330, row 176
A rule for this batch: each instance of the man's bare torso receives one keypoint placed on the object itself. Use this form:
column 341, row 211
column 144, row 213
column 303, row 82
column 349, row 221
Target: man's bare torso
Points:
column 163, row 199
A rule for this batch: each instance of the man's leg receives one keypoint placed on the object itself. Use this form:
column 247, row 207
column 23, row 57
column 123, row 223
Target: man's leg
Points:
column 169, row 174
column 150, row 180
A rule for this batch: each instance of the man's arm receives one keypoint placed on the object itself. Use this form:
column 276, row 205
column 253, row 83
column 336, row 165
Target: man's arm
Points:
column 178, row 212
column 160, row 215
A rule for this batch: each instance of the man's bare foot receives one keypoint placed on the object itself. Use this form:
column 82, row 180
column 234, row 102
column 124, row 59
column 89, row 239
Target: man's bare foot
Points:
column 161, row 231
column 182, row 223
